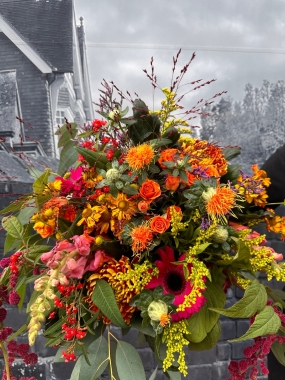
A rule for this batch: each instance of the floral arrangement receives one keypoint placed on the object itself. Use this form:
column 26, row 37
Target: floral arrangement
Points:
column 143, row 226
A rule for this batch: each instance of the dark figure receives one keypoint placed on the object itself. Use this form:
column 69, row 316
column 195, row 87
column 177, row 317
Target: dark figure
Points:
column 275, row 169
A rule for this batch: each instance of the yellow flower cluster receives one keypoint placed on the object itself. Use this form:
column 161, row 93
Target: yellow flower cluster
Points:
column 176, row 224
column 138, row 277
column 173, row 336
column 168, row 106
column 199, row 272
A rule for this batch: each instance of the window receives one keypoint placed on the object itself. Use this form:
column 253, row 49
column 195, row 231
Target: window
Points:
column 60, row 118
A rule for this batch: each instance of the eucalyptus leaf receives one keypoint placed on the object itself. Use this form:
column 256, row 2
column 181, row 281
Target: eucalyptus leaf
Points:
column 128, row 362
column 103, row 297
column 98, row 357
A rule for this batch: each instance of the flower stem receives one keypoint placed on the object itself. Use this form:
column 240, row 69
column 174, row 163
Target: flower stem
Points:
column 7, row 368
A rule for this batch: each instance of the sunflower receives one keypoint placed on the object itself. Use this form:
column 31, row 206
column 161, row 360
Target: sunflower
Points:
column 122, row 207
column 140, row 156
column 172, row 279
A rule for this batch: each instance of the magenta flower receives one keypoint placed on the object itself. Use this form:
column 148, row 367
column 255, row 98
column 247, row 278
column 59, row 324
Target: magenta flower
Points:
column 73, row 183
column 171, row 278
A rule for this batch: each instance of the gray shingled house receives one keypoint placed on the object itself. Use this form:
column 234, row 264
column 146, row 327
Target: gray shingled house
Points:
column 43, row 73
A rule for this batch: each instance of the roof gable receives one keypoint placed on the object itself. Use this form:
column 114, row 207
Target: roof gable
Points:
column 46, row 26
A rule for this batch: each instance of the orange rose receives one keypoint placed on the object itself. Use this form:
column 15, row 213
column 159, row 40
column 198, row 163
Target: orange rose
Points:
column 159, row 224
column 191, row 179
column 166, row 155
column 172, row 183
column 176, row 208
column 143, row 206
column 150, row 190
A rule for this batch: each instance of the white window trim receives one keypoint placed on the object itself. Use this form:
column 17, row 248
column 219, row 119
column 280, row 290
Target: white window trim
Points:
column 25, row 48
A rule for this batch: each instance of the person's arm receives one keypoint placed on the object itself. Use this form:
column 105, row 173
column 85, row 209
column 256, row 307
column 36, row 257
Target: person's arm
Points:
column 275, row 169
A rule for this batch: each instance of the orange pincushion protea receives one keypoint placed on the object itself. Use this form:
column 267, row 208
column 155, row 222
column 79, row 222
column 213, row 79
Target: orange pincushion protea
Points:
column 121, row 288
column 219, row 201
column 203, row 153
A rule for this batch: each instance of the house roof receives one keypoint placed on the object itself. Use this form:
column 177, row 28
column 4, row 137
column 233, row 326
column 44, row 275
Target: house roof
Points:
column 43, row 23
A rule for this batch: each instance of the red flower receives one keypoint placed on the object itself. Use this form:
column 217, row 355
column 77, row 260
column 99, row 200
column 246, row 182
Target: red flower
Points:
column 171, row 278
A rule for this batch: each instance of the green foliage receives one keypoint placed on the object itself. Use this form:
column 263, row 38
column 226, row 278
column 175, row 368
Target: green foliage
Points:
column 146, row 127
column 97, row 159
column 14, row 228
column 253, row 301
column 128, row 362
column 103, row 297
column 68, row 157
column 265, row 323
column 200, row 324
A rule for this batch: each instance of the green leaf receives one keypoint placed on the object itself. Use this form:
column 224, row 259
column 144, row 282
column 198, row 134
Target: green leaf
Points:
column 93, row 158
column 67, row 132
column 77, row 369
column 16, row 205
column 98, row 357
column 14, row 228
column 265, row 323
column 153, row 375
column 57, row 326
column 11, row 243
column 174, row 375
column 231, row 153
column 25, row 214
column 22, row 292
column 130, row 190
column 68, row 157
column 128, row 362
column 103, row 297
column 17, row 333
column 253, row 301
column 210, row 341
column 148, row 330
column 41, row 182
column 200, row 324
column 278, row 351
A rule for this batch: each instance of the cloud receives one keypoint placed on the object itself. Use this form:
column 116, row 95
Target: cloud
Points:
column 204, row 24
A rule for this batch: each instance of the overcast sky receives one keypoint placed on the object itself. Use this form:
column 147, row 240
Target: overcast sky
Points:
column 236, row 42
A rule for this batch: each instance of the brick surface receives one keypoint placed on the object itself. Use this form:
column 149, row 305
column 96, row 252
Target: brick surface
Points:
column 228, row 329
column 223, row 351
column 220, row 370
column 238, row 347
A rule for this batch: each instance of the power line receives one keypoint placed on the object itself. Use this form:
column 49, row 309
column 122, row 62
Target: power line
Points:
column 185, row 47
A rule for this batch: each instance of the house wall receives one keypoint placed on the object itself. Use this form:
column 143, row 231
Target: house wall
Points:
column 34, row 94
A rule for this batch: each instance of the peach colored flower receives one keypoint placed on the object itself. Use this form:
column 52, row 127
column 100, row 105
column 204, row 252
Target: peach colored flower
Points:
column 172, row 183
column 159, row 224
column 150, row 190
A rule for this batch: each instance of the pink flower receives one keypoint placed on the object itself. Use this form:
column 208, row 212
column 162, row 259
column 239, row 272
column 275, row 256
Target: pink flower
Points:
column 171, row 278
column 82, row 244
column 73, row 183
column 74, row 268
column 97, row 261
